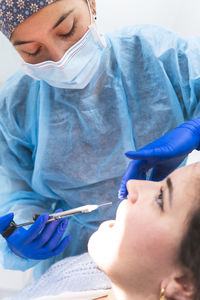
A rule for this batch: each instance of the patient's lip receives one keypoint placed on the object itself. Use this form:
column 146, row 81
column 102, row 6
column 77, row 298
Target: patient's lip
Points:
column 107, row 224
column 112, row 223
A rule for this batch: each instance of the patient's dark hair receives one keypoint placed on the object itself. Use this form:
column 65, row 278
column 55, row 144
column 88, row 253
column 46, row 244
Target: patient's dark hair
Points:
column 190, row 250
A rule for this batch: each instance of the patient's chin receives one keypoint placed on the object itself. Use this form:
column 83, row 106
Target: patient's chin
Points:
column 91, row 244
column 93, row 249
column 99, row 252
column 96, row 249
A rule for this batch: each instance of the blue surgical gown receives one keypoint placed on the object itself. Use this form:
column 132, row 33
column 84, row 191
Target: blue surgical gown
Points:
column 65, row 148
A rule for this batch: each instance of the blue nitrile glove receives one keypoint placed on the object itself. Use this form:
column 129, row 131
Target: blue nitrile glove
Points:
column 5, row 222
column 163, row 155
column 40, row 241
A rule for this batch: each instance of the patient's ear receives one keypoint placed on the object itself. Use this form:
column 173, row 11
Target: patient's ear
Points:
column 180, row 286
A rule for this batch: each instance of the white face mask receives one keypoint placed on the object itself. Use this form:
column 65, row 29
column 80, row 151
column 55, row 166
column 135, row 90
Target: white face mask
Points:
column 78, row 65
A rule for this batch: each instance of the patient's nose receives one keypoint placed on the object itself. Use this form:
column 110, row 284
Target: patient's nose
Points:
column 133, row 195
column 132, row 188
column 133, row 198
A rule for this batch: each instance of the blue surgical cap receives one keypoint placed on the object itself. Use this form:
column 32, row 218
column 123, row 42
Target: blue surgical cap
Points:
column 14, row 12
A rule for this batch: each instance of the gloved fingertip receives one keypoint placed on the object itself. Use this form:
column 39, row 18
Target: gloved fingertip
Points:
column 63, row 244
column 137, row 155
column 63, row 224
column 10, row 216
column 5, row 221
column 121, row 197
column 66, row 241
column 122, row 194
column 68, row 237
column 129, row 152
column 58, row 210
column 43, row 218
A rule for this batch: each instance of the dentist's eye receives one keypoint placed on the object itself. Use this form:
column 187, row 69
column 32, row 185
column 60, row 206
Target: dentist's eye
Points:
column 33, row 54
column 160, row 200
column 70, row 33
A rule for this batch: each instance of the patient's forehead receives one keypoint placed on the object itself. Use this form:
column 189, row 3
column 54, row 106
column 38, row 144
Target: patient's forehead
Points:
column 189, row 172
column 187, row 180
column 195, row 178
column 193, row 174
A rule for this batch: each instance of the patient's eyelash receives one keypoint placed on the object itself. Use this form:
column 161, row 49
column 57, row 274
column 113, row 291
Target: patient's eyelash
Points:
column 160, row 200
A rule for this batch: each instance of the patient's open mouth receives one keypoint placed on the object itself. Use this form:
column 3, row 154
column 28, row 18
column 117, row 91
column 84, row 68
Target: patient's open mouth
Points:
column 112, row 223
column 107, row 224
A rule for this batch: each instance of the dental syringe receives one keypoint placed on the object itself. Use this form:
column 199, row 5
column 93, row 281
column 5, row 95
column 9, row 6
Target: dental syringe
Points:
column 67, row 213
column 55, row 216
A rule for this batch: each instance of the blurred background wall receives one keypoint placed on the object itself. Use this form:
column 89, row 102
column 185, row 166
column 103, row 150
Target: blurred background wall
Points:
column 181, row 16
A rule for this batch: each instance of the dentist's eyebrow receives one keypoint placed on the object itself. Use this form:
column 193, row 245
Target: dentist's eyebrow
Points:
column 17, row 43
column 170, row 188
column 60, row 20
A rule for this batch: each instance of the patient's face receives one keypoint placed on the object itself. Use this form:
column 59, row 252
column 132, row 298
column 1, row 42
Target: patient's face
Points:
column 145, row 236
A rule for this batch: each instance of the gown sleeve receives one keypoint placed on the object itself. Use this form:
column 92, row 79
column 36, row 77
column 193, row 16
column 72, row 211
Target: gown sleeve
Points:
column 18, row 132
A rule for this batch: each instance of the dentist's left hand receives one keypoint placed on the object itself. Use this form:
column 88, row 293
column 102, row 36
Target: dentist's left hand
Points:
column 40, row 241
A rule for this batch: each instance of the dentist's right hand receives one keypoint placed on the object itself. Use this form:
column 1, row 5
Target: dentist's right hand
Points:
column 40, row 241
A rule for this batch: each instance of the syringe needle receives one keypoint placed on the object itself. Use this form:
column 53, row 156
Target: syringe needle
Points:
column 108, row 203
column 91, row 207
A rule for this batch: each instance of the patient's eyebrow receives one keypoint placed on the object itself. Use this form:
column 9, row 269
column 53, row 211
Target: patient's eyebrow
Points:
column 170, row 188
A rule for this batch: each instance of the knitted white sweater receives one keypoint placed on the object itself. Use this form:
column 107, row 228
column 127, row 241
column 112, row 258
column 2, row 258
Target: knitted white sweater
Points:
column 70, row 275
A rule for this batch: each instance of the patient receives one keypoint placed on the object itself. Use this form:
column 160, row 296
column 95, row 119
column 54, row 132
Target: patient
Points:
column 151, row 251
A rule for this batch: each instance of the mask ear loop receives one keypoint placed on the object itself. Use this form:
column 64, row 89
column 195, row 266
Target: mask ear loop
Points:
column 91, row 15
column 100, row 38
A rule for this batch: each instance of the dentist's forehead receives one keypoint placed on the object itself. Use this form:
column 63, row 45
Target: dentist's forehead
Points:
column 14, row 12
